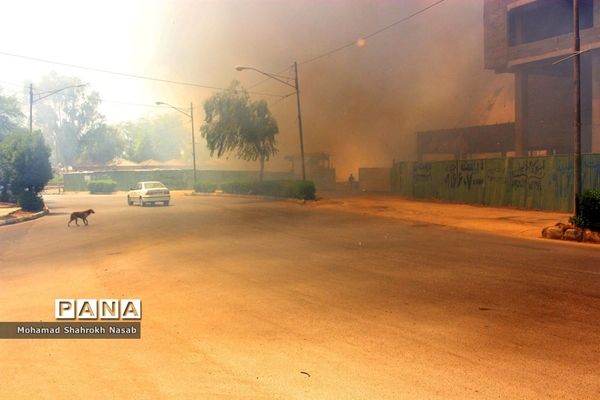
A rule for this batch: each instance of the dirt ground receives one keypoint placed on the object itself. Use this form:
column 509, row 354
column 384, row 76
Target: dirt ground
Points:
column 502, row 221
column 253, row 299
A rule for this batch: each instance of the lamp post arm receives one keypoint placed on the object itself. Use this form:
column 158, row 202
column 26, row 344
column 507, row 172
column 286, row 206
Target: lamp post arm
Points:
column 158, row 103
column 273, row 76
column 31, row 100
column 56, row 91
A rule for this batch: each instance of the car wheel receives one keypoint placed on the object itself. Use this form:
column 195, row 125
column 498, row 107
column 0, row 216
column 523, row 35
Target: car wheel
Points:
column 166, row 203
column 129, row 202
column 142, row 202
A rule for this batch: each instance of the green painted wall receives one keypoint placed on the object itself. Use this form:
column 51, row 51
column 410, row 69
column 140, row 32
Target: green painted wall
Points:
column 173, row 179
column 544, row 183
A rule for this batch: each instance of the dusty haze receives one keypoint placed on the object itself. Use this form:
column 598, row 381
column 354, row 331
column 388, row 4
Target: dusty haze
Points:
column 362, row 105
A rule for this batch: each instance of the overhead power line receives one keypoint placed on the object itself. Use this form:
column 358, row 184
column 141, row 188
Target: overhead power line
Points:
column 370, row 35
column 193, row 84
column 124, row 74
column 126, row 103
column 353, row 43
column 14, row 84
column 20, row 85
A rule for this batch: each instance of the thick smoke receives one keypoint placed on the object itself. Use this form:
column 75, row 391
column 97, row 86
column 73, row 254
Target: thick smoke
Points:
column 363, row 104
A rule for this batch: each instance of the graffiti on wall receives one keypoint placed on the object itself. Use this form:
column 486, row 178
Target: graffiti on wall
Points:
column 538, row 182
column 562, row 178
column 422, row 172
column 528, row 174
column 465, row 173
column 496, row 173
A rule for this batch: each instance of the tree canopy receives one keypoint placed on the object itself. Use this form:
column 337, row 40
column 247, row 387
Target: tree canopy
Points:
column 161, row 138
column 11, row 116
column 100, row 145
column 67, row 116
column 233, row 123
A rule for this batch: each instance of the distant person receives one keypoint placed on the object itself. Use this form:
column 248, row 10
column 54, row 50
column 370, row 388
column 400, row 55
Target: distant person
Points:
column 351, row 182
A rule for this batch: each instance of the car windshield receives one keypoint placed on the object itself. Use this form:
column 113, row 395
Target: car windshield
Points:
column 153, row 185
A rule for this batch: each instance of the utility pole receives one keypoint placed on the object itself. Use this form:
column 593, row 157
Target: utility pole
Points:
column 30, row 107
column 285, row 80
column 299, row 120
column 577, row 109
column 193, row 142
column 40, row 97
column 191, row 115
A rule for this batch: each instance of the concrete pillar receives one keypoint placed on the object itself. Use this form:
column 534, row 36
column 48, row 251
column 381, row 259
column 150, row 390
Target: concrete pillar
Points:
column 521, row 113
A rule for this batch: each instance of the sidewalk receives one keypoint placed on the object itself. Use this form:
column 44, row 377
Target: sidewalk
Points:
column 7, row 208
column 503, row 221
column 9, row 214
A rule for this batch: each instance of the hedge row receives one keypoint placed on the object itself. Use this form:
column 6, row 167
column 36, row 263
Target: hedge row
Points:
column 205, row 187
column 287, row 188
column 102, row 186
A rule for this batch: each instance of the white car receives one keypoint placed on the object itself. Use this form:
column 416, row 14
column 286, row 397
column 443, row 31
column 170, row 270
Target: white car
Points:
column 149, row 193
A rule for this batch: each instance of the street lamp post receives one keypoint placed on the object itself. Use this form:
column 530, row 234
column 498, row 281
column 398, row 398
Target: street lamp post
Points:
column 285, row 80
column 576, row 109
column 32, row 100
column 191, row 115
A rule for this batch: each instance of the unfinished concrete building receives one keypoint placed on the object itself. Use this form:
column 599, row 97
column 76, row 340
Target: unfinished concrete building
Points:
column 529, row 38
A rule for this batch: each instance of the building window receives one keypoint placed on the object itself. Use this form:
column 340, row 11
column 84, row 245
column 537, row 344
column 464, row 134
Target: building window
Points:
column 545, row 19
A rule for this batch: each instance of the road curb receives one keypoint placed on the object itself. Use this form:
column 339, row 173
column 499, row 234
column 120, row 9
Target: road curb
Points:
column 248, row 196
column 31, row 217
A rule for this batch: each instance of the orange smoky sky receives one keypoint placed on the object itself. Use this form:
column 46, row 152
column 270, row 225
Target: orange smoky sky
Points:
column 362, row 104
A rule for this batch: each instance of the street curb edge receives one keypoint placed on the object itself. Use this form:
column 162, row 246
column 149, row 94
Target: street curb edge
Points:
column 31, row 217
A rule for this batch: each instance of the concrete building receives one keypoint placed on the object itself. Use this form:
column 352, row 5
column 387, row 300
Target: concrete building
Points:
column 472, row 142
column 526, row 38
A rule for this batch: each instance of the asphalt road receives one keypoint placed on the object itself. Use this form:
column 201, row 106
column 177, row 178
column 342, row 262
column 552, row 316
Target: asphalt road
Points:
column 256, row 299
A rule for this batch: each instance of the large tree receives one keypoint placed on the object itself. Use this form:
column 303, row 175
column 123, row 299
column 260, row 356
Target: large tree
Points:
column 11, row 116
column 233, row 123
column 161, row 138
column 66, row 116
column 100, row 145
column 258, row 137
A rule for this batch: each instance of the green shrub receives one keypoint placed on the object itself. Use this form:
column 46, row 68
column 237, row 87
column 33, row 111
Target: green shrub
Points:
column 30, row 201
column 289, row 189
column 589, row 211
column 268, row 188
column 205, row 187
column 238, row 187
column 102, row 186
column 299, row 189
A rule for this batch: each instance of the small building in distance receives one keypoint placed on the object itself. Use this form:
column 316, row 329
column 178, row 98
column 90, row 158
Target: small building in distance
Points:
column 533, row 40
column 121, row 164
column 318, row 166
